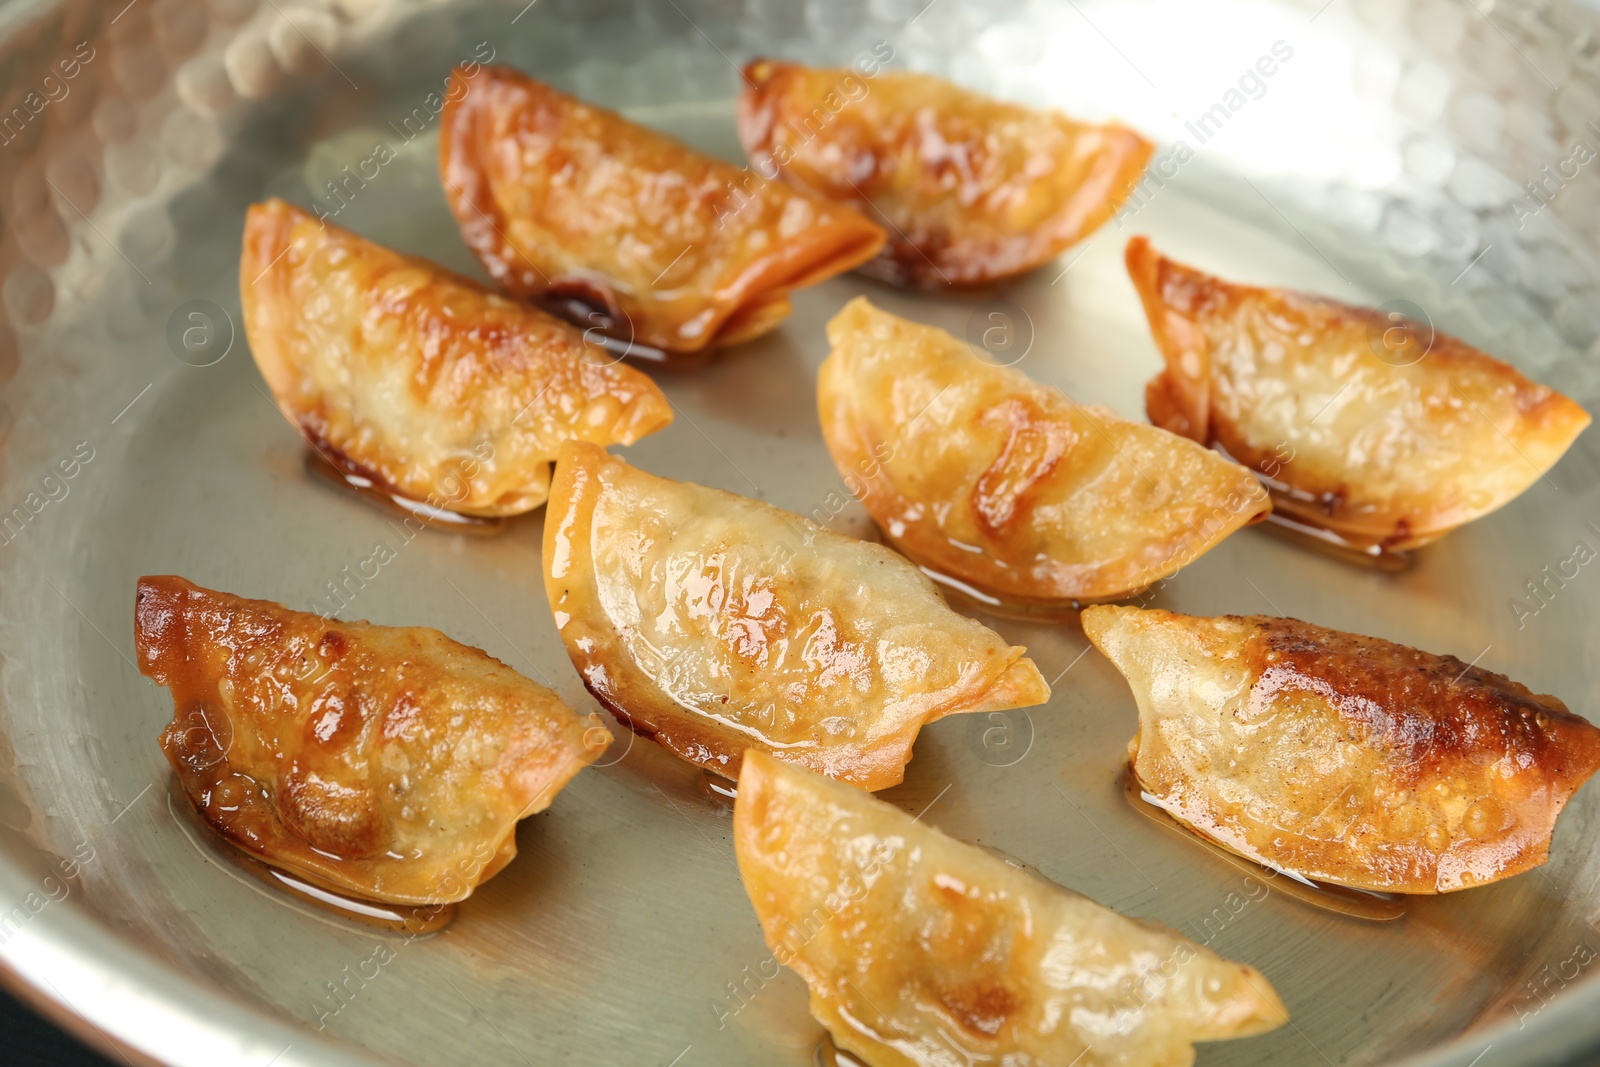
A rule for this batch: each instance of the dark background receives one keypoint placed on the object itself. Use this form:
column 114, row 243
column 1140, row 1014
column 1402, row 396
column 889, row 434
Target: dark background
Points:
column 27, row 1040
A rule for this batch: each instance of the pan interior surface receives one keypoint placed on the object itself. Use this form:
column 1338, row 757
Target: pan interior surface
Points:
column 621, row 932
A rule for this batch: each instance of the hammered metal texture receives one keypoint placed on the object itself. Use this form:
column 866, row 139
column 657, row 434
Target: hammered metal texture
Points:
column 1435, row 152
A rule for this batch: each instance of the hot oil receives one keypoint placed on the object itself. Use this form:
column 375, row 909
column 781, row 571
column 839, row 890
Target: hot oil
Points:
column 1024, row 609
column 367, row 490
column 1342, row 900
column 601, row 326
column 967, row 595
column 407, row 919
column 661, row 771
column 1365, row 553
column 1328, row 543
column 831, row 1055
column 295, row 890
column 719, row 788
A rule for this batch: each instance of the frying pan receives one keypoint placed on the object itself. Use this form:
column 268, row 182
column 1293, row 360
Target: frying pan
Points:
column 1430, row 155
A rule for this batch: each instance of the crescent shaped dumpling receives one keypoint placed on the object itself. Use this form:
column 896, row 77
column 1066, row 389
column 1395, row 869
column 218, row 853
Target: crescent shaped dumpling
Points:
column 1342, row 758
column 923, row 951
column 1009, row 486
column 714, row 624
column 1386, row 452
column 419, row 381
column 637, row 234
column 972, row 190
column 389, row 763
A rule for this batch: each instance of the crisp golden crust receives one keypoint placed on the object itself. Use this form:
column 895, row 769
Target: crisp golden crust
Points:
column 417, row 379
column 1342, row 758
column 973, row 190
column 714, row 623
column 1392, row 452
column 920, row 950
column 384, row 762
column 1008, row 485
column 570, row 203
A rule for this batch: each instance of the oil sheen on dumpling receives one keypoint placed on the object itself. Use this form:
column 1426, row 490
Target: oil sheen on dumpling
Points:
column 629, row 230
column 1342, row 758
column 714, row 623
column 1386, row 452
column 419, row 381
column 923, row 951
column 1009, row 486
column 387, row 763
column 972, row 190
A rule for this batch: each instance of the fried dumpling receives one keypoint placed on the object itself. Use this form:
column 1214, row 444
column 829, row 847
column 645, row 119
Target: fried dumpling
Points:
column 923, row 951
column 1386, row 452
column 410, row 377
column 628, row 230
column 1006, row 485
column 1341, row 758
column 387, row 763
column 972, row 190
column 714, row 623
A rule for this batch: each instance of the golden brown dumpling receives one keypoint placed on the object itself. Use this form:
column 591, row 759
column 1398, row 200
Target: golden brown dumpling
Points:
column 973, row 190
column 1386, row 453
column 714, row 623
column 1007, row 485
column 1342, row 758
column 626, row 229
column 922, row 951
column 388, row 763
column 417, row 380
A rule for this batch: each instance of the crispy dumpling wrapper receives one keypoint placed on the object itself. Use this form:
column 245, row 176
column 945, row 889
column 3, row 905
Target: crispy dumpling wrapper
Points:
column 1387, row 452
column 1009, row 486
column 1342, row 758
column 404, row 374
column 972, row 190
column 923, row 951
column 387, row 763
column 714, row 623
column 647, row 239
